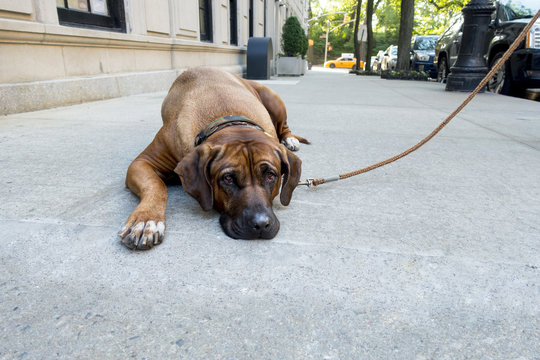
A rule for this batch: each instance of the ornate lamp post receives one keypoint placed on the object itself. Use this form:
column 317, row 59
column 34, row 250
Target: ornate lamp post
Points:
column 470, row 67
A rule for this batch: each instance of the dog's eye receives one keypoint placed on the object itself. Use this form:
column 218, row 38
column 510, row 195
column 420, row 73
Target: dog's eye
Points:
column 228, row 179
column 270, row 177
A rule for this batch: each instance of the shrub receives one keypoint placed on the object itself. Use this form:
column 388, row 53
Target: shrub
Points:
column 294, row 40
column 404, row 75
column 363, row 72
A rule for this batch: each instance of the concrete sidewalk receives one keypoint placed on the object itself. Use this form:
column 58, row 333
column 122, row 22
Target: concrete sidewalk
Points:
column 433, row 257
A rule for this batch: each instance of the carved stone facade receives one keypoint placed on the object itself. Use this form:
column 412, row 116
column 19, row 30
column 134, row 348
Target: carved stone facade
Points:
column 50, row 56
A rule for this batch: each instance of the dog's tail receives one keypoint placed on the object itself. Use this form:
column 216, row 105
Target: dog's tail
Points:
column 301, row 139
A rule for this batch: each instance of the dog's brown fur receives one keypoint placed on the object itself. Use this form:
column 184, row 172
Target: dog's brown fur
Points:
column 237, row 170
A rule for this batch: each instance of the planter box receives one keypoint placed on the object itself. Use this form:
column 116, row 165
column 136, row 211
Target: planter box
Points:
column 404, row 75
column 290, row 66
column 365, row 73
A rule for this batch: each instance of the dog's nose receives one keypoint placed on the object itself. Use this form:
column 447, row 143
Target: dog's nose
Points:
column 260, row 222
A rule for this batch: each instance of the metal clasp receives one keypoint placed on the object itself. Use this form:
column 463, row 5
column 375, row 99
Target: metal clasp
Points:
column 308, row 182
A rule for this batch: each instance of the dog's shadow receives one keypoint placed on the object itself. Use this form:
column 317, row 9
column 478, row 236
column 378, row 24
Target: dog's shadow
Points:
column 184, row 214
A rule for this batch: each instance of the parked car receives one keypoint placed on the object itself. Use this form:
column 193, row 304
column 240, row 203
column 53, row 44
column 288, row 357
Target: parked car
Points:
column 389, row 59
column 422, row 53
column 447, row 47
column 522, row 70
column 341, row 62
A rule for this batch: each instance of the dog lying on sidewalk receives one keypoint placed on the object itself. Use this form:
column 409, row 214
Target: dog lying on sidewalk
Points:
column 228, row 140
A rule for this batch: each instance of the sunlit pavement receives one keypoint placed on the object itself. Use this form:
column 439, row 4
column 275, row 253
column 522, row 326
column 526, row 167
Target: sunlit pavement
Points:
column 320, row 68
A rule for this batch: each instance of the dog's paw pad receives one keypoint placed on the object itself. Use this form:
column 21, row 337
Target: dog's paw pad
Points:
column 291, row 143
column 143, row 235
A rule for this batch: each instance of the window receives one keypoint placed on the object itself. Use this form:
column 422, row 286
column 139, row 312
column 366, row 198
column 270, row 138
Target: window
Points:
column 233, row 23
column 205, row 20
column 264, row 19
column 250, row 18
column 94, row 14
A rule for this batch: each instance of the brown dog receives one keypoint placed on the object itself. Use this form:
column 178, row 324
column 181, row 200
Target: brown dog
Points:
column 221, row 134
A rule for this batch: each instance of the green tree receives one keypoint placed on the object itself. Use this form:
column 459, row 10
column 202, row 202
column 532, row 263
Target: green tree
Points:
column 370, row 38
column 355, row 36
column 388, row 15
column 433, row 16
column 342, row 25
column 405, row 33
column 430, row 17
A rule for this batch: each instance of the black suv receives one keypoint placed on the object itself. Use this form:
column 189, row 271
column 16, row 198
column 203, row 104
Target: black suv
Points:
column 522, row 70
column 422, row 53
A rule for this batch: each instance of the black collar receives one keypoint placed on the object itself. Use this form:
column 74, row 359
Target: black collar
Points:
column 224, row 122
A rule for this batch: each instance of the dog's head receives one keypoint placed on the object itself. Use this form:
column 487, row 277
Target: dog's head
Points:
column 240, row 180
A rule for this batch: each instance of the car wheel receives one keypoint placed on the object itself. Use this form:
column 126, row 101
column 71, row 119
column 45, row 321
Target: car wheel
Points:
column 501, row 82
column 332, row 66
column 442, row 71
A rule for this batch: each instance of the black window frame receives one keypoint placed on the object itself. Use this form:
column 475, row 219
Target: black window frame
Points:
column 115, row 21
column 233, row 23
column 205, row 11
column 250, row 26
column 265, row 9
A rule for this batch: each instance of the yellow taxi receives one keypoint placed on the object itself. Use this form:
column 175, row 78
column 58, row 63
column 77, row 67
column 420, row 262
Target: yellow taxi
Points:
column 346, row 61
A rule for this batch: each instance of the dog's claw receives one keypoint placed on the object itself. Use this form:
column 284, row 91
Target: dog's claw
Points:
column 142, row 235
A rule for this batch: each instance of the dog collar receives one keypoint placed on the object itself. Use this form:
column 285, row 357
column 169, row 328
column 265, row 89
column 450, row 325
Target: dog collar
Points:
column 224, row 122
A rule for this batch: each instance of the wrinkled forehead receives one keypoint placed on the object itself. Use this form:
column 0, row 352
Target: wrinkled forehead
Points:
column 248, row 155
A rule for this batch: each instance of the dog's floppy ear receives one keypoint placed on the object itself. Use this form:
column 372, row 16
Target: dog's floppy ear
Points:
column 194, row 172
column 291, row 168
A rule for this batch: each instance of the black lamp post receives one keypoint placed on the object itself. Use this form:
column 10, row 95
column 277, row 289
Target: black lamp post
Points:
column 470, row 67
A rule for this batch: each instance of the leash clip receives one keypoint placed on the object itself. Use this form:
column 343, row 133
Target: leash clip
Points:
column 308, row 182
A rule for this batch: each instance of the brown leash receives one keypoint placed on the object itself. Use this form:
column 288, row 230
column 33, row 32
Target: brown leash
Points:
column 315, row 182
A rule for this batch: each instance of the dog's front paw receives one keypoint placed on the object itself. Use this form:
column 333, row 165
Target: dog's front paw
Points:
column 142, row 235
column 291, row 143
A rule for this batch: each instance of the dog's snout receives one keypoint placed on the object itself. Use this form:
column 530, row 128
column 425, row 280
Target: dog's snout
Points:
column 260, row 222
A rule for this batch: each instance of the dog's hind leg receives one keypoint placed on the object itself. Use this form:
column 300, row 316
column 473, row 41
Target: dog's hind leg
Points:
column 276, row 108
